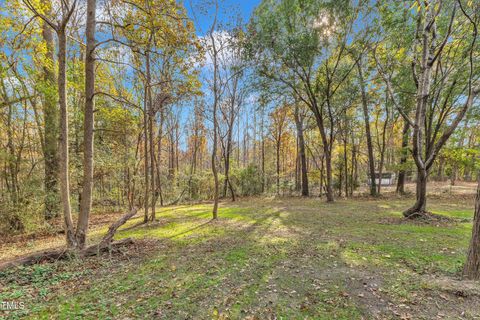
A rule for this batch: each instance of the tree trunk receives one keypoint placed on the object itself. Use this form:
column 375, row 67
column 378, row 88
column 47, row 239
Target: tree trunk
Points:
column 441, row 168
column 225, row 180
column 159, row 156
column 420, row 204
column 328, row 157
column 227, row 183
column 322, row 174
column 88, row 138
column 50, row 114
column 328, row 184
column 340, row 180
column 366, row 118
column 151, row 117
column 471, row 269
column 297, row 166
column 453, row 175
column 145, row 159
column 353, row 174
column 345, row 163
column 278, row 165
column 403, row 159
column 61, row 253
column 214, row 164
column 423, row 93
column 216, row 98
column 228, row 152
column 380, row 172
column 303, row 157
column 64, row 157
column 11, row 173
column 263, row 154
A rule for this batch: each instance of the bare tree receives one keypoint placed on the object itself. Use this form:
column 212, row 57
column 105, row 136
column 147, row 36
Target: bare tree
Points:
column 213, row 52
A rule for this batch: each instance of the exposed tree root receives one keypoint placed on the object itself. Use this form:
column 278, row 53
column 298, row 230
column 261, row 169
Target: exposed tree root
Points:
column 106, row 244
column 37, row 257
column 429, row 217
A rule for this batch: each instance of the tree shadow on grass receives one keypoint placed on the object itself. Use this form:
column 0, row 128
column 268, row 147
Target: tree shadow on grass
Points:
column 267, row 266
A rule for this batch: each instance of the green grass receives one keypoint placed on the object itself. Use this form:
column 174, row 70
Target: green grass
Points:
column 288, row 258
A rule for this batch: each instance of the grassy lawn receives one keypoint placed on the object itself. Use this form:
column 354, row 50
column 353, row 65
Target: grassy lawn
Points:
column 287, row 258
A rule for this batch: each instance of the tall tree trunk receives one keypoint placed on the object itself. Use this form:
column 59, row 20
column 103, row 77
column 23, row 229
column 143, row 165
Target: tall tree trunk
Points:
column 228, row 152
column 328, row 157
column 159, row 156
column 151, row 117
column 278, row 164
column 301, row 146
column 263, row 152
column 214, row 163
column 51, row 121
column 254, row 154
column 216, row 98
column 11, row 173
column 88, row 138
column 380, row 171
column 423, row 93
column 381, row 163
column 345, row 163
column 152, row 166
column 383, row 146
column 403, row 159
column 145, row 159
column 366, row 118
column 340, row 180
column 263, row 164
column 471, row 269
column 64, row 157
column 297, row 166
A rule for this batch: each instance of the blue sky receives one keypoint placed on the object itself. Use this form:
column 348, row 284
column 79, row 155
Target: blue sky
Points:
column 226, row 8
column 203, row 21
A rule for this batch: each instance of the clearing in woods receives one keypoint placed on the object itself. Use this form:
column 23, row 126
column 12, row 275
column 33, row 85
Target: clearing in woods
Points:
column 265, row 258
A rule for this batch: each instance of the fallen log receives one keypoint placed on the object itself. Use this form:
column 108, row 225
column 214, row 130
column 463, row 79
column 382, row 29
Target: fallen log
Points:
column 102, row 247
column 117, row 224
column 105, row 244
column 37, row 257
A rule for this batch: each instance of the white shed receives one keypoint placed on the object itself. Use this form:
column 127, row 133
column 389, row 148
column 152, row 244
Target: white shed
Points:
column 387, row 179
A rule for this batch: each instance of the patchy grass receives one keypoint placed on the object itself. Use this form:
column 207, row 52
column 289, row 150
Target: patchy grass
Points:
column 285, row 258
